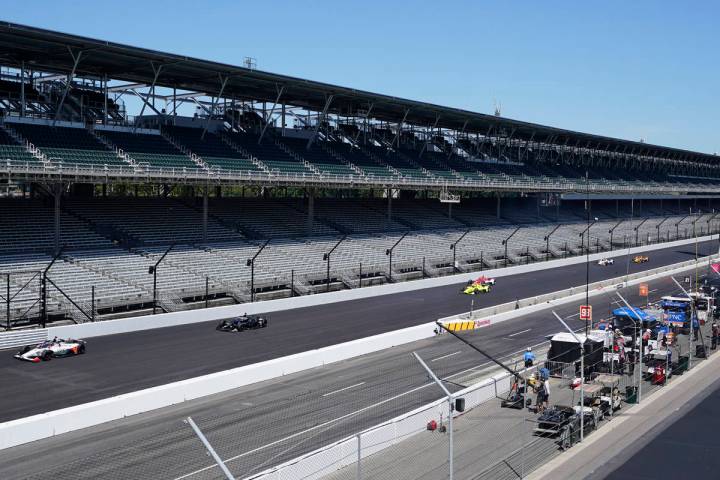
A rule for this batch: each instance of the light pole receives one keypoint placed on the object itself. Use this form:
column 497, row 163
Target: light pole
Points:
column 637, row 230
column 587, row 263
column 389, row 253
column 710, row 220
column 251, row 263
column 547, row 241
column 451, row 408
column 582, row 375
column 657, row 227
column 326, row 257
column 43, row 287
column 505, row 243
column 612, row 231
column 153, row 271
column 641, row 352
column 677, row 226
column 693, row 313
column 453, row 247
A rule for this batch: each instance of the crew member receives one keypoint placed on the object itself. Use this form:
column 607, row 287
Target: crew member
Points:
column 529, row 358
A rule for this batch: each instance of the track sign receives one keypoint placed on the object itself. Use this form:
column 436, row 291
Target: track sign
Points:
column 585, row 312
column 643, row 289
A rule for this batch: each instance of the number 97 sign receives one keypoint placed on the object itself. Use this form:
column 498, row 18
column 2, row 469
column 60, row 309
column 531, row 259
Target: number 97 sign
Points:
column 586, row 312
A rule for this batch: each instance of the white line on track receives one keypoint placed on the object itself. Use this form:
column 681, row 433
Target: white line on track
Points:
column 445, row 356
column 329, row 423
column 518, row 333
column 573, row 315
column 651, row 291
column 342, row 389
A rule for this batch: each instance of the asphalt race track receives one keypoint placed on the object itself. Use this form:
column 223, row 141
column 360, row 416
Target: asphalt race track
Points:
column 264, row 424
column 128, row 362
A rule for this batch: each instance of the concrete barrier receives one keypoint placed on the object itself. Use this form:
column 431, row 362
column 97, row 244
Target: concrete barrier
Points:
column 134, row 324
column 22, row 337
column 45, row 425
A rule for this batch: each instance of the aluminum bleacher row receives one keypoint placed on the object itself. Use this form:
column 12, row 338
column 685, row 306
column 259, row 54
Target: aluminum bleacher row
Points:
column 110, row 243
column 13, row 152
column 243, row 152
column 67, row 145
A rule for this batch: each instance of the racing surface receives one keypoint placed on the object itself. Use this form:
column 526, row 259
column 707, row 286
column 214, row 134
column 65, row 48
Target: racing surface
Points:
column 264, row 424
column 127, row 362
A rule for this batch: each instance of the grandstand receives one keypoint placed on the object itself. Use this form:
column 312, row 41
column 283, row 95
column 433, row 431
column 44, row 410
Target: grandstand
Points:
column 96, row 196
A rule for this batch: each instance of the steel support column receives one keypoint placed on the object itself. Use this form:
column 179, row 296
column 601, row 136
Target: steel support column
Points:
column 22, row 89
column 105, row 99
column 432, row 129
column 223, row 82
column 454, row 146
column 76, row 60
column 156, row 72
column 272, row 111
column 365, row 119
column 320, row 119
column 400, row 125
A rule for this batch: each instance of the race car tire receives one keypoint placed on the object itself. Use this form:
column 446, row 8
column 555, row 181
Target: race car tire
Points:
column 47, row 356
column 81, row 350
column 25, row 349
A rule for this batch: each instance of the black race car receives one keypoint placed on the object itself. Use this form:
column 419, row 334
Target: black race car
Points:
column 244, row 322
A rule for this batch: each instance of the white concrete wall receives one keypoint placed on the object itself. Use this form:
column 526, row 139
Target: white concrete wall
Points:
column 147, row 322
column 44, row 425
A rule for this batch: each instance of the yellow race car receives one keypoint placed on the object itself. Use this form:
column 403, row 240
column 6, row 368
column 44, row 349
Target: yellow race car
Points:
column 640, row 259
column 473, row 288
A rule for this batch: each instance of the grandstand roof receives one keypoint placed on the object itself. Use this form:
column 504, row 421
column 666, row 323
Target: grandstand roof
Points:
column 51, row 51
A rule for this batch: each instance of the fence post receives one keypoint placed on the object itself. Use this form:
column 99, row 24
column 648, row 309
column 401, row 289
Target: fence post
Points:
column 360, row 276
column 292, row 283
column 92, row 303
column 207, row 290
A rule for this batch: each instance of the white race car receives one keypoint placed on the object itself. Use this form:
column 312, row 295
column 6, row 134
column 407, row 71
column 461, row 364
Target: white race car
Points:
column 483, row 280
column 606, row 261
column 51, row 348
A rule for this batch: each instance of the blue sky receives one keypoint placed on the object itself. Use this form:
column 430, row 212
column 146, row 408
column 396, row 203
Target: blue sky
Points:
column 629, row 69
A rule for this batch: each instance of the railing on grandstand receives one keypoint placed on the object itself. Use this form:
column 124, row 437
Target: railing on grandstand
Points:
column 216, row 174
